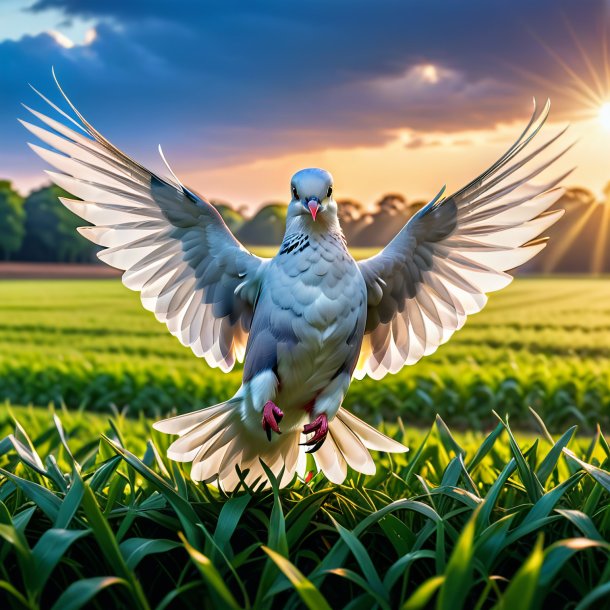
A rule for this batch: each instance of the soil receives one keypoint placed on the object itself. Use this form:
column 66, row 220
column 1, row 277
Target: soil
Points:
column 56, row 271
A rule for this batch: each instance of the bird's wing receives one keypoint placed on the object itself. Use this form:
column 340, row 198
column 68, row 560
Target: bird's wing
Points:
column 436, row 271
column 173, row 245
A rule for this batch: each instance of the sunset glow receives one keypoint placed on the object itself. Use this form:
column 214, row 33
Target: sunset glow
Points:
column 604, row 115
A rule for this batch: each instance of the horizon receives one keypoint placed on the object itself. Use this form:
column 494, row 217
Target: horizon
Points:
column 394, row 108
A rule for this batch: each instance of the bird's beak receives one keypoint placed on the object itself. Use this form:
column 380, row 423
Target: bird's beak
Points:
column 313, row 206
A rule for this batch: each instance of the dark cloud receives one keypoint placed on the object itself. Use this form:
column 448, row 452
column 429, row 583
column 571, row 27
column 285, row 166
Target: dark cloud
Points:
column 217, row 81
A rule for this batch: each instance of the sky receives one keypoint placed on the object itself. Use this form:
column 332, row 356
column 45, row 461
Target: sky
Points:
column 390, row 96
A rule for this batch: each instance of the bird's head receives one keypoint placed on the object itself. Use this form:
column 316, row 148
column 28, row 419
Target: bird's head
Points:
column 312, row 198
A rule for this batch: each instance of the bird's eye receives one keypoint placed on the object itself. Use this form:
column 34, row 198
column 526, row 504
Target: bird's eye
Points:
column 330, row 191
column 295, row 194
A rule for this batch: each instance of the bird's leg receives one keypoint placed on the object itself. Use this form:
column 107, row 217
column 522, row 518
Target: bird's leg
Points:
column 272, row 416
column 319, row 426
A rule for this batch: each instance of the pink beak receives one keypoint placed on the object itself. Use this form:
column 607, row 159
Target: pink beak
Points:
column 313, row 206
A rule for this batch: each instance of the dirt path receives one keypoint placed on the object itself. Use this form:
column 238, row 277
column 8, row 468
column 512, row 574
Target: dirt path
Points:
column 55, row 271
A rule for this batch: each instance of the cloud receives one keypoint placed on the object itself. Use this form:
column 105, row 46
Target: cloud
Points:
column 221, row 83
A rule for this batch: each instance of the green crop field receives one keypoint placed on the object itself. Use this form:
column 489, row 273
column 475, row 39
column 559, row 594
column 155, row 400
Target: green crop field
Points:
column 462, row 521
column 479, row 517
column 541, row 342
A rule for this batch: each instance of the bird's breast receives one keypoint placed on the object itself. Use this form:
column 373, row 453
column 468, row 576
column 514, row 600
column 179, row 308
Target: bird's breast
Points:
column 320, row 293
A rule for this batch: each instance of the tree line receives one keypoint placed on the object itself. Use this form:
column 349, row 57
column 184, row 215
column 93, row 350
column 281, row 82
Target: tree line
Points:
column 39, row 228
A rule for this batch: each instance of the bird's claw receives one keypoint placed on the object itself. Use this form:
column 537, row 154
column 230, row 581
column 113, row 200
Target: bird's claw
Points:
column 272, row 416
column 319, row 426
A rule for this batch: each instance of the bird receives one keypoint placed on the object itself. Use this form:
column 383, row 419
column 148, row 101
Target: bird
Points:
column 309, row 320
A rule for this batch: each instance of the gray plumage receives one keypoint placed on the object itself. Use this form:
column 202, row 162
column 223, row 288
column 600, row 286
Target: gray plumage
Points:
column 311, row 318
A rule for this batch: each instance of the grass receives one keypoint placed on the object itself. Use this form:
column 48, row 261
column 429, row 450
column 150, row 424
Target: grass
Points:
column 462, row 521
column 541, row 342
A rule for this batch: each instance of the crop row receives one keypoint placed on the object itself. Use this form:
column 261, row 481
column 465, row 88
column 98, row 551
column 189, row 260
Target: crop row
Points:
column 496, row 523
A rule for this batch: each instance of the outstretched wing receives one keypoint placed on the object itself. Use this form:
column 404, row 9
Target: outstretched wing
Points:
column 173, row 246
column 436, row 271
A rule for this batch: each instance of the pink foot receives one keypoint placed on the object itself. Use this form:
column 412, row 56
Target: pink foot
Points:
column 319, row 426
column 272, row 416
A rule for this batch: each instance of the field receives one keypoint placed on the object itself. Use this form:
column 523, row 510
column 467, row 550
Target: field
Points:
column 479, row 514
column 463, row 521
column 541, row 342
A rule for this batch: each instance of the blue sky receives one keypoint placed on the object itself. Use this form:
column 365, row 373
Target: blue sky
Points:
column 239, row 93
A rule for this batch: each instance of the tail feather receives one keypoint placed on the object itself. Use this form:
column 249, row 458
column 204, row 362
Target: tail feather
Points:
column 371, row 438
column 187, row 446
column 216, row 440
column 347, row 443
column 213, row 451
column 330, row 460
column 181, row 424
column 355, row 453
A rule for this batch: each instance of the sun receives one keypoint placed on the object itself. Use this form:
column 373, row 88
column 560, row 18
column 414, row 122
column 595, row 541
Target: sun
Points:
column 603, row 114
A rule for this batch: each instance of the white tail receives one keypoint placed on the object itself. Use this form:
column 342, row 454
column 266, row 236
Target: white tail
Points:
column 216, row 440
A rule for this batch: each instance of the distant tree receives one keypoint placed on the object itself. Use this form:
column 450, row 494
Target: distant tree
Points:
column 232, row 217
column 388, row 217
column 266, row 227
column 349, row 210
column 392, row 203
column 50, row 230
column 351, row 214
column 12, row 220
column 416, row 206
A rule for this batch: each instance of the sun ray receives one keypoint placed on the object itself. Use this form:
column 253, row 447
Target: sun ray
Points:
column 587, row 61
column 575, row 94
column 589, row 91
column 597, row 264
column 560, row 248
column 605, row 56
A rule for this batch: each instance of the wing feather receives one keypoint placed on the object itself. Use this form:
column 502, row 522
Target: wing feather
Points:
column 172, row 245
column 440, row 266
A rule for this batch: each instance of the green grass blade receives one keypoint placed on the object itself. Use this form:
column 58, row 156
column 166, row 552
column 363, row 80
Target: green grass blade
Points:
column 582, row 521
column 168, row 601
column 46, row 500
column 423, row 594
column 449, row 443
column 528, row 477
column 489, row 501
column 229, row 517
column 211, row 576
column 562, row 551
column 136, row 549
column 107, row 542
column 601, row 593
column 311, row 597
column 547, row 502
column 24, row 554
column 71, row 503
column 49, row 550
column 364, row 561
column 485, row 447
column 81, row 592
column 601, row 476
column 521, row 590
column 459, row 571
column 184, row 511
column 550, row 461
column 15, row 594
column 399, row 567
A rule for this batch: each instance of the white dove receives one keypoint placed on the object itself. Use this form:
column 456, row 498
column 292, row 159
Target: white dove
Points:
column 310, row 319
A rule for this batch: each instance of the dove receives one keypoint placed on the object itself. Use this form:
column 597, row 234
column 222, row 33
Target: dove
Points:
column 308, row 321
